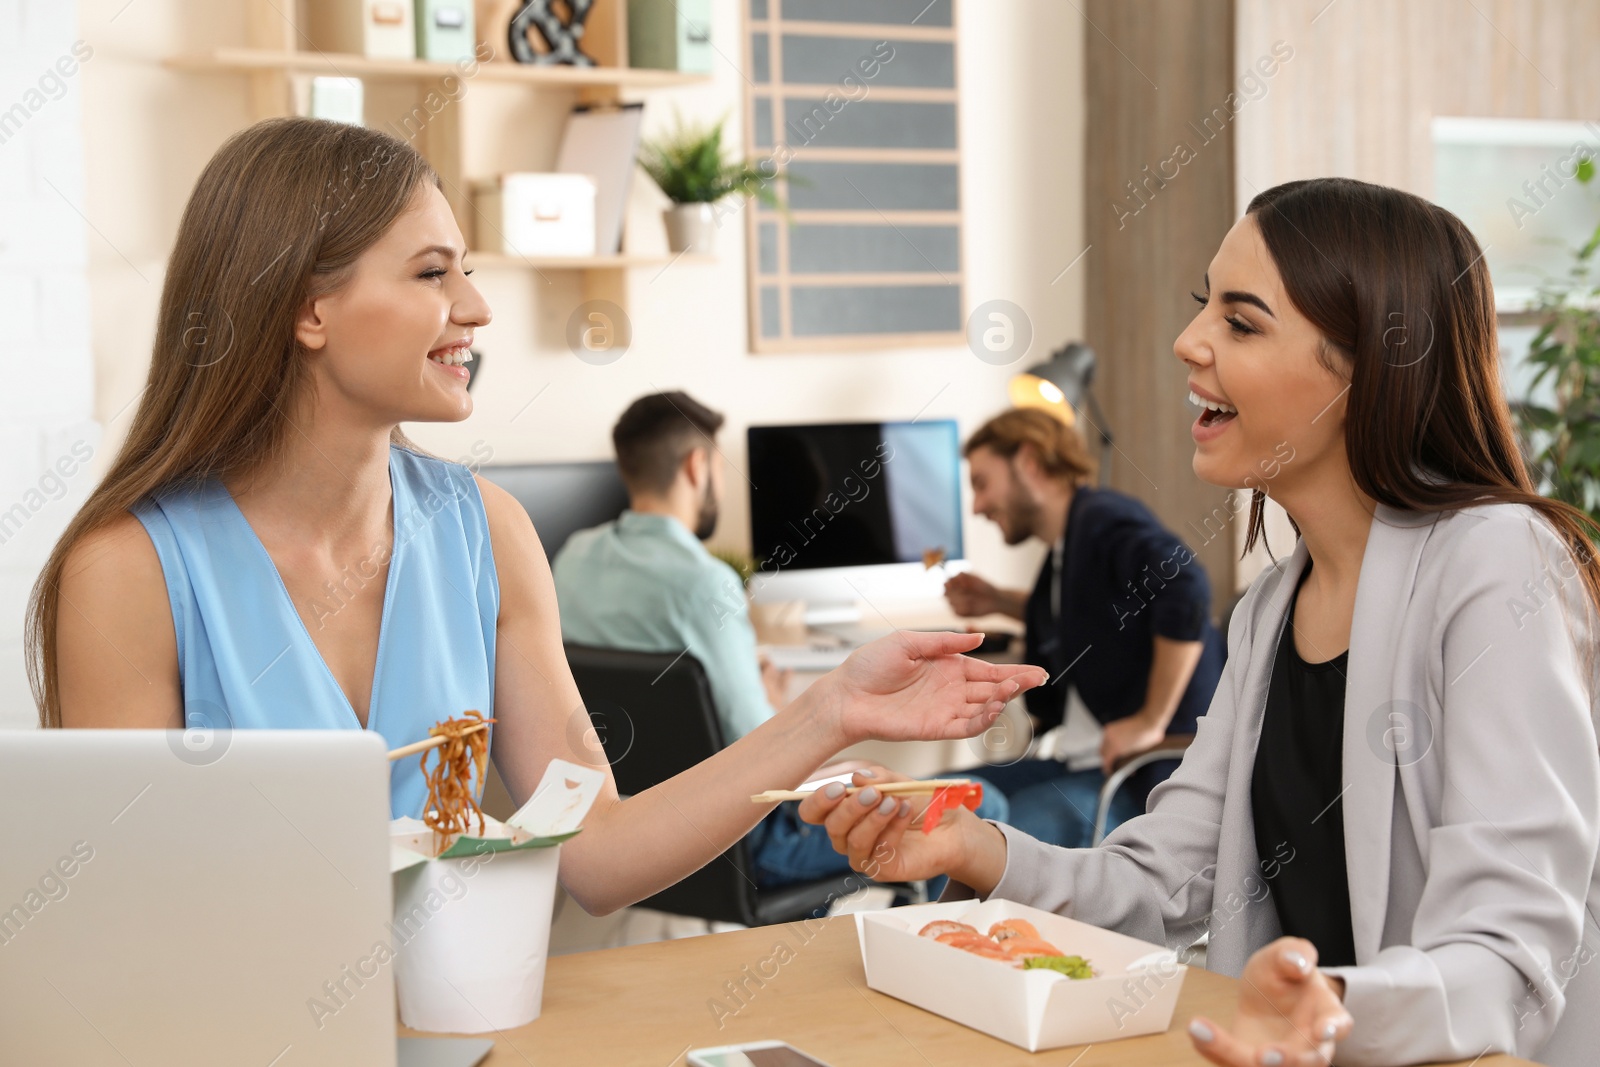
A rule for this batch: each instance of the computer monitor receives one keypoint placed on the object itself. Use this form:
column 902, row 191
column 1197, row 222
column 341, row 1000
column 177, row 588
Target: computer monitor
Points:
column 846, row 512
column 562, row 498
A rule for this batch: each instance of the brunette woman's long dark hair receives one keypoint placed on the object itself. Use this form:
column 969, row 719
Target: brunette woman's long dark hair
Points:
column 1398, row 288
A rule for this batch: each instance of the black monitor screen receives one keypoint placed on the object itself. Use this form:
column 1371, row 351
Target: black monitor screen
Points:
column 562, row 498
column 855, row 494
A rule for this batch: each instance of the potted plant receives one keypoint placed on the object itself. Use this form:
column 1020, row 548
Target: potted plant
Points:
column 690, row 167
column 743, row 564
column 1562, row 441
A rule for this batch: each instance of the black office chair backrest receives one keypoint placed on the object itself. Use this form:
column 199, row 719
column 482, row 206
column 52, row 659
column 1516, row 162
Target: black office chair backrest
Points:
column 654, row 714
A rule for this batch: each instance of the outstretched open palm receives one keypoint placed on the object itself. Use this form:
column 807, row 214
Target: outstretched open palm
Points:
column 1289, row 1013
column 917, row 686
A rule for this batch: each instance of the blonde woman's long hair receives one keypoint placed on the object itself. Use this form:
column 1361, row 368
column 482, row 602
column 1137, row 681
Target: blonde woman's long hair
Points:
column 279, row 217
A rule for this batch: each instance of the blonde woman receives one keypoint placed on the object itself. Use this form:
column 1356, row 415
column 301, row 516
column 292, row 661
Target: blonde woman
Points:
column 268, row 550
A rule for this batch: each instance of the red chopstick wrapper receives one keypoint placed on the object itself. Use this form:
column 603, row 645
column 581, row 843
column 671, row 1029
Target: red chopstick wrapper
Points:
column 951, row 796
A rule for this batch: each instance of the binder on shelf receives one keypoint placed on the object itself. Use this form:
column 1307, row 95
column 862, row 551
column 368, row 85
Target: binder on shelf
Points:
column 602, row 141
column 670, row 35
column 445, row 30
column 377, row 29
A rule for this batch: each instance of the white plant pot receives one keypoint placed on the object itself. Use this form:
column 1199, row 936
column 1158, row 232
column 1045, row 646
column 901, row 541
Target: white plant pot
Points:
column 690, row 227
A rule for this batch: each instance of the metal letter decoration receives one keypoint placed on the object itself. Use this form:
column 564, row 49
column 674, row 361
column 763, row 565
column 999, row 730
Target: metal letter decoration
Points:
column 560, row 34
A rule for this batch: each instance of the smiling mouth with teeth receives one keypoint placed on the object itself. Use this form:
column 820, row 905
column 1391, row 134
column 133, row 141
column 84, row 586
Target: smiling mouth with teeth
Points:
column 1215, row 412
column 452, row 357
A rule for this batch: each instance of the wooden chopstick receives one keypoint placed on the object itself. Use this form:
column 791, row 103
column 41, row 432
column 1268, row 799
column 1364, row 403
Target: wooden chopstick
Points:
column 932, row 785
column 432, row 742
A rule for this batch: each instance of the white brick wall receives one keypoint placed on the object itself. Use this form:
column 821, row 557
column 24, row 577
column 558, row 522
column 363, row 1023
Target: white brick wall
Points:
column 47, row 378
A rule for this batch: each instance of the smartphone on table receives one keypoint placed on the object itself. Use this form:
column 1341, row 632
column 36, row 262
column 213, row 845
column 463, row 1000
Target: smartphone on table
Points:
column 753, row 1054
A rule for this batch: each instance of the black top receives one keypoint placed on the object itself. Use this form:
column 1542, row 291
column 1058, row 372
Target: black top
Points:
column 1296, row 799
column 1124, row 579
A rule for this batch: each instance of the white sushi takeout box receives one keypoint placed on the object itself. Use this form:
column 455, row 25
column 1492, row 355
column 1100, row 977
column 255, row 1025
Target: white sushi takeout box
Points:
column 471, row 928
column 1134, row 991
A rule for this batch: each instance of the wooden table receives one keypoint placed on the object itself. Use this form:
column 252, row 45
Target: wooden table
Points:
column 646, row 1005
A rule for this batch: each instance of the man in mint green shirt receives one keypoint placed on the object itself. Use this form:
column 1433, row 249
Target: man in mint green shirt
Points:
column 646, row 583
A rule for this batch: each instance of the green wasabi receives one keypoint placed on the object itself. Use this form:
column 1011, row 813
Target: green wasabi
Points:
column 1071, row 966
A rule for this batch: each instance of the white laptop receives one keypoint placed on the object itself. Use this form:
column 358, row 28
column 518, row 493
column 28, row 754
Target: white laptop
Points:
column 194, row 898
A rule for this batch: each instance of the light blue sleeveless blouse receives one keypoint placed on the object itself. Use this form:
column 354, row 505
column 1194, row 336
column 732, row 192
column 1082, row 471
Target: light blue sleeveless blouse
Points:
column 246, row 659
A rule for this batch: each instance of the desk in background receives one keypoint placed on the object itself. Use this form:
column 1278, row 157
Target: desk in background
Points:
column 649, row 1004
column 1005, row 741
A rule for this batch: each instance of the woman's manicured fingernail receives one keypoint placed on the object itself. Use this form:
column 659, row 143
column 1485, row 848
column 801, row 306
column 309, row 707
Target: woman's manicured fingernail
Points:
column 868, row 797
column 1272, row 1058
column 888, row 805
column 905, row 808
column 1200, row 1031
column 1297, row 961
column 834, row 791
column 868, row 773
column 1330, row 1031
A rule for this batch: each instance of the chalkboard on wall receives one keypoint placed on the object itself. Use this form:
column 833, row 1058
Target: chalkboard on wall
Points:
column 856, row 101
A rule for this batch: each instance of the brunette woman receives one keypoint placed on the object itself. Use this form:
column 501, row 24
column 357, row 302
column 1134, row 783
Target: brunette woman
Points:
column 1390, row 816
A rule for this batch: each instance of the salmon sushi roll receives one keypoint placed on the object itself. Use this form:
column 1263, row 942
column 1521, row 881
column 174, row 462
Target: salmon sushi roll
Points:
column 962, row 938
column 1009, row 928
column 979, row 945
column 1023, row 947
column 945, row 926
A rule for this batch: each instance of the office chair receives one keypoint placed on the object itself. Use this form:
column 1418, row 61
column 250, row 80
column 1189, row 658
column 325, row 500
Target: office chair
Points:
column 1172, row 747
column 654, row 714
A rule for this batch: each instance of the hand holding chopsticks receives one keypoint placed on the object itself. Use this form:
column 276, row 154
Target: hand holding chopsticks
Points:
column 895, row 789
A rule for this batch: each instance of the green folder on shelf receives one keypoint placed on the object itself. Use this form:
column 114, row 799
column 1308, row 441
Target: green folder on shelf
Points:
column 445, row 31
column 670, row 35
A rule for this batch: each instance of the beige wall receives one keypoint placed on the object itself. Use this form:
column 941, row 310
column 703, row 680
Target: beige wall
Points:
column 1368, row 76
column 149, row 131
column 1356, row 98
column 48, row 438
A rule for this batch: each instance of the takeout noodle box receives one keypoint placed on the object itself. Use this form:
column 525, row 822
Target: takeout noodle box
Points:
column 1134, row 992
column 472, row 912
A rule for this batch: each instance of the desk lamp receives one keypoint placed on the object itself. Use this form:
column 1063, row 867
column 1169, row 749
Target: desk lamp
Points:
column 1061, row 386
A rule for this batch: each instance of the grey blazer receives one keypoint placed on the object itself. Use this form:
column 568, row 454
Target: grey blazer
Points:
column 1471, row 801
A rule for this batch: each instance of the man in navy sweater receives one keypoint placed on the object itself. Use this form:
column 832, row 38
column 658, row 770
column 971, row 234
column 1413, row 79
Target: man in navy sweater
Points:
column 1120, row 616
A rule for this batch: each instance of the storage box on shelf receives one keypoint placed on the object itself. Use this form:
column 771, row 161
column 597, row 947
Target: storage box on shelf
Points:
column 280, row 59
column 536, row 215
column 670, row 35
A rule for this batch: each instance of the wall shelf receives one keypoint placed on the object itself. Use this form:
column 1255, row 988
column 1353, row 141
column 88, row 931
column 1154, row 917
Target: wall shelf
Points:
column 262, row 60
column 276, row 64
column 620, row 261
